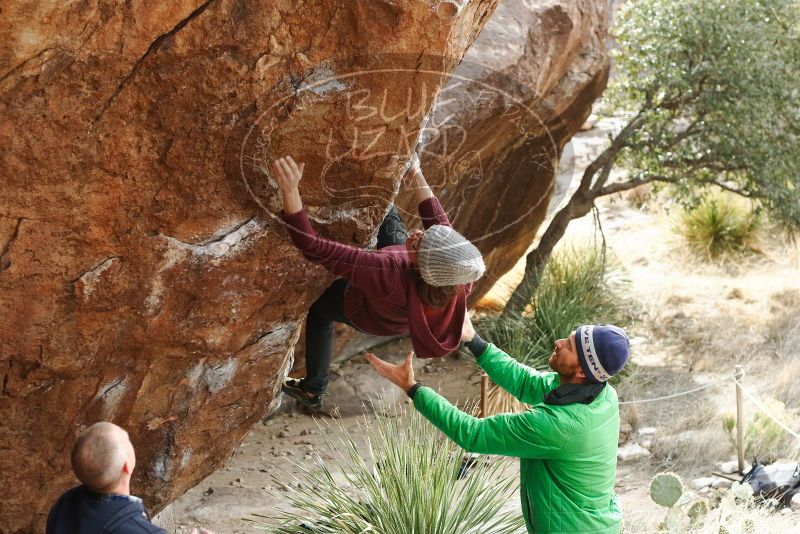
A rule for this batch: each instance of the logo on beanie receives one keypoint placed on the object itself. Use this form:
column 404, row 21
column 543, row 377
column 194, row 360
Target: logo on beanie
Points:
column 590, row 355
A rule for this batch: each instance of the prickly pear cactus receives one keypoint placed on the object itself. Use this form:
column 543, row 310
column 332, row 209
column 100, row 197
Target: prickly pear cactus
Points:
column 666, row 489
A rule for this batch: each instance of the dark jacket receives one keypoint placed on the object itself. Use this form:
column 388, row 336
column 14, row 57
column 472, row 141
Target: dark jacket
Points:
column 82, row 511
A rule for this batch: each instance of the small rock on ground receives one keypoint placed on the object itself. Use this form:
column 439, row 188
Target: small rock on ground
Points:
column 729, row 467
column 630, row 452
column 702, row 482
column 794, row 504
column 723, row 483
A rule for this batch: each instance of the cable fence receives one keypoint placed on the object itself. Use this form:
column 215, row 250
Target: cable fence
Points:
column 737, row 380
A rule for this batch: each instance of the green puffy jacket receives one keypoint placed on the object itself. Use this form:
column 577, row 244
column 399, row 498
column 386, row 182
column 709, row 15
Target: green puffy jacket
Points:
column 568, row 454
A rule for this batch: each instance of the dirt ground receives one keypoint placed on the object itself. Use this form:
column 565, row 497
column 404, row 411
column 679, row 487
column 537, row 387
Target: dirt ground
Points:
column 692, row 322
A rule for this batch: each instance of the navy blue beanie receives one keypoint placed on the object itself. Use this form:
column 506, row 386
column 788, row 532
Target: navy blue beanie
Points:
column 602, row 350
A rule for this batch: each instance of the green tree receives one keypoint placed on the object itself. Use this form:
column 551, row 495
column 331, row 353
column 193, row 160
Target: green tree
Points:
column 714, row 89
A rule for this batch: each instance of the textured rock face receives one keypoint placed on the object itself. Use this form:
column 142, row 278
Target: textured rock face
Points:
column 144, row 278
column 494, row 140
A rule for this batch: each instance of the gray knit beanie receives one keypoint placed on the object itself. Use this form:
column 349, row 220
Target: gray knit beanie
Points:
column 446, row 258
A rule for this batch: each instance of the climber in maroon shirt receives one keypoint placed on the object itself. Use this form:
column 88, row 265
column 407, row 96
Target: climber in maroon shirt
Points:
column 413, row 284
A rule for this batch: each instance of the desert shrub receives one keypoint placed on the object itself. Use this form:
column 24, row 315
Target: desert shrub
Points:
column 720, row 225
column 764, row 438
column 406, row 483
column 640, row 197
column 729, row 426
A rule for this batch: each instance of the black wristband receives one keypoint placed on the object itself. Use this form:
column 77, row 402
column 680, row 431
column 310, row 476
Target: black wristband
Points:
column 476, row 345
column 413, row 390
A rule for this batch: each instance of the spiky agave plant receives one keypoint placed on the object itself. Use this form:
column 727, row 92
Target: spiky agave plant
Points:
column 406, row 483
column 720, row 225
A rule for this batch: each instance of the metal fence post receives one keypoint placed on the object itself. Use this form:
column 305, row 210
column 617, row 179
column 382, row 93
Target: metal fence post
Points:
column 739, row 374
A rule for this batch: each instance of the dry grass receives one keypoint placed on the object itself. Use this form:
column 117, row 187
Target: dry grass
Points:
column 630, row 414
column 784, row 337
column 716, row 339
column 499, row 401
column 787, row 383
column 690, row 436
column 784, row 326
column 692, row 450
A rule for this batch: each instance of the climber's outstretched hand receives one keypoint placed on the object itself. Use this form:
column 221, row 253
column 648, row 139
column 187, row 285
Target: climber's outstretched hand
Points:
column 288, row 174
column 400, row 375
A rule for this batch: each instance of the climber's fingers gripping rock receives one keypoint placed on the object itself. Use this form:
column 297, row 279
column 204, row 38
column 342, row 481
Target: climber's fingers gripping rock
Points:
column 288, row 175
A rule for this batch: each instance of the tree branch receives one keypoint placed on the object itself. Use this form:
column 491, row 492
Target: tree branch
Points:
column 703, row 163
column 688, row 132
column 605, row 161
column 603, row 176
column 681, row 99
column 630, row 184
column 610, row 189
column 726, row 187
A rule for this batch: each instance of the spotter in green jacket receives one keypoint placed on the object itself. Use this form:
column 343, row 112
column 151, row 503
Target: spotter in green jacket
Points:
column 566, row 440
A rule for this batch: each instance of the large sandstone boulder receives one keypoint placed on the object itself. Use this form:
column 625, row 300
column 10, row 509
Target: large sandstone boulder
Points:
column 144, row 276
column 494, row 140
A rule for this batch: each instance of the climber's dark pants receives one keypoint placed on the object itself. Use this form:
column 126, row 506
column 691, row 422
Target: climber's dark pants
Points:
column 329, row 309
column 392, row 230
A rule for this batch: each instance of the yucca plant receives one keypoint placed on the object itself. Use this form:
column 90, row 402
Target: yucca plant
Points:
column 578, row 287
column 407, row 483
column 720, row 225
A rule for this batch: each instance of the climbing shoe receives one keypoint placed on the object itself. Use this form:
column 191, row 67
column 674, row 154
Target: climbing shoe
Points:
column 312, row 404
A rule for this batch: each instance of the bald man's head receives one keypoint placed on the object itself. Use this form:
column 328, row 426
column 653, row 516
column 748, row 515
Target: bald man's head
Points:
column 102, row 457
